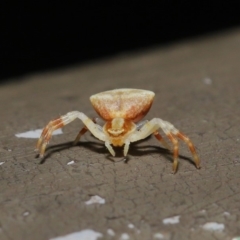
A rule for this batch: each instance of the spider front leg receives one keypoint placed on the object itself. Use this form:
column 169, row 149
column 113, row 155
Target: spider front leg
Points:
column 156, row 134
column 46, row 135
column 171, row 132
column 82, row 132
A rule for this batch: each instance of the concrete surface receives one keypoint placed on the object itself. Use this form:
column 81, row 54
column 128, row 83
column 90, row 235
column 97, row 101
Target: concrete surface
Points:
column 197, row 86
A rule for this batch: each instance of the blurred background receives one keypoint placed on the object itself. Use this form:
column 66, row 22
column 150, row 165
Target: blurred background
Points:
column 43, row 35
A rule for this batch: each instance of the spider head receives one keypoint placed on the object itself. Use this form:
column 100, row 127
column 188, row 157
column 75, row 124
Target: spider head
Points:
column 118, row 129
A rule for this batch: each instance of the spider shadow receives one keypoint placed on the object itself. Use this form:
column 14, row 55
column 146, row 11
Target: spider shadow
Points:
column 151, row 149
column 96, row 147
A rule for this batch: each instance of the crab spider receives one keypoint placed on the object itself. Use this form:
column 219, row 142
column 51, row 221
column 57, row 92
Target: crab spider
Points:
column 121, row 109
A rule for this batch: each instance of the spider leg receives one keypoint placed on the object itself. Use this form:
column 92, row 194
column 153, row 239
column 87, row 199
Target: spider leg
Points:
column 174, row 141
column 82, row 132
column 161, row 140
column 47, row 134
column 191, row 147
column 126, row 148
column 156, row 134
column 172, row 133
column 109, row 147
column 140, row 124
column 60, row 122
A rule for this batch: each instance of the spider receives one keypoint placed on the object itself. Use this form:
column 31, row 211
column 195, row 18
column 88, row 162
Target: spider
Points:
column 121, row 109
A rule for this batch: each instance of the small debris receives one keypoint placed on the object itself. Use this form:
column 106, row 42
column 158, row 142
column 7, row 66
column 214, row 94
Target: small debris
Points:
column 158, row 236
column 207, row 81
column 1, row 163
column 86, row 234
column 171, row 220
column 36, row 133
column 236, row 238
column 226, row 214
column 95, row 199
column 25, row 214
column 110, row 232
column 130, row 225
column 71, row 162
column 124, row 236
column 213, row 226
column 4, row 149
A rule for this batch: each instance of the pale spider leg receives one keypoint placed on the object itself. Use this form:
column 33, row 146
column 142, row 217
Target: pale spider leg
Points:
column 95, row 129
column 46, row 139
column 57, row 123
column 109, row 147
column 82, row 132
column 149, row 128
column 156, row 123
column 175, row 150
column 161, row 140
column 156, row 134
column 126, row 148
column 140, row 124
column 191, row 147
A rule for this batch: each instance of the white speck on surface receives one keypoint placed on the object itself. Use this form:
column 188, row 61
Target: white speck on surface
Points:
column 171, row 220
column 226, row 214
column 95, row 199
column 124, row 236
column 202, row 211
column 71, row 162
column 25, row 214
column 158, row 236
column 110, row 232
column 130, row 225
column 236, row 238
column 86, row 234
column 213, row 226
column 1, row 163
column 207, row 81
column 36, row 133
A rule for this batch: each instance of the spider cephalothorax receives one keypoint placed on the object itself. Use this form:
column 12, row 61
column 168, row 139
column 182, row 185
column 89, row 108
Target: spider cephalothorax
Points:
column 118, row 130
column 121, row 109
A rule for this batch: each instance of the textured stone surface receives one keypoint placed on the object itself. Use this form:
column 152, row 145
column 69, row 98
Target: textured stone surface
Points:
column 197, row 86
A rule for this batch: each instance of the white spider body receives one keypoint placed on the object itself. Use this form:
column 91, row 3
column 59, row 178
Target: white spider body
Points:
column 121, row 109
